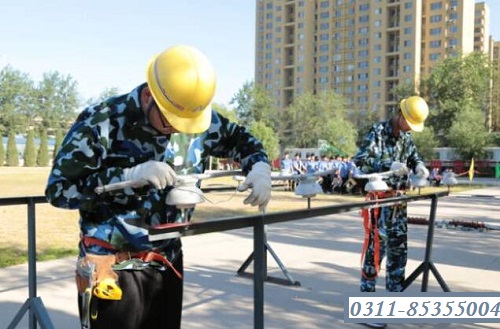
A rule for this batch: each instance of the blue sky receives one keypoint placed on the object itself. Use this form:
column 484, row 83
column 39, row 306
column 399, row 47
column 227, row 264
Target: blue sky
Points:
column 108, row 43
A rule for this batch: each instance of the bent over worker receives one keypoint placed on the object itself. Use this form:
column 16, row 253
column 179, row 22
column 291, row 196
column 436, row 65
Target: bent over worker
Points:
column 389, row 146
column 124, row 280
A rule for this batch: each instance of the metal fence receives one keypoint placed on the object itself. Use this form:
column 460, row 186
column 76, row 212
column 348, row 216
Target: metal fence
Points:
column 34, row 305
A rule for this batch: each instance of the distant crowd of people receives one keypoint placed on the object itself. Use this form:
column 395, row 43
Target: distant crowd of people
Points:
column 338, row 181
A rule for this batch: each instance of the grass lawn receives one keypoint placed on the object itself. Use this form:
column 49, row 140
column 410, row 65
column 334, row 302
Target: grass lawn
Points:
column 57, row 229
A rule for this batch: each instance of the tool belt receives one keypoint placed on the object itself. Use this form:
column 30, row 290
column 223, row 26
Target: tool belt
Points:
column 99, row 268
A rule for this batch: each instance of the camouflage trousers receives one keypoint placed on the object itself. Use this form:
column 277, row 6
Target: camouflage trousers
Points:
column 393, row 229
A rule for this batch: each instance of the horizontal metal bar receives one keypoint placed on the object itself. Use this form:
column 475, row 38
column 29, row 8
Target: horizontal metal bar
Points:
column 166, row 231
column 22, row 200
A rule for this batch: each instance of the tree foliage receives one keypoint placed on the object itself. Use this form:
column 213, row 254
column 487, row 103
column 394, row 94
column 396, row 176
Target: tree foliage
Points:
column 12, row 152
column 42, row 159
column 425, row 142
column 268, row 138
column 58, row 142
column 57, row 99
column 2, row 151
column 16, row 99
column 225, row 111
column 313, row 117
column 468, row 133
column 253, row 103
column 30, row 149
column 453, row 84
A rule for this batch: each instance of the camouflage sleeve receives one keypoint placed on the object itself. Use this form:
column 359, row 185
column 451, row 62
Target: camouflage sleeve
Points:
column 414, row 157
column 77, row 167
column 369, row 158
column 225, row 139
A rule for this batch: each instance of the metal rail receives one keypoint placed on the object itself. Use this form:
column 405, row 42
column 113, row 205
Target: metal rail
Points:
column 33, row 305
column 258, row 223
column 36, row 309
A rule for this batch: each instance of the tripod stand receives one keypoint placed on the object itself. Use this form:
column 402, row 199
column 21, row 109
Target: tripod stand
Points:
column 33, row 305
column 288, row 281
column 427, row 265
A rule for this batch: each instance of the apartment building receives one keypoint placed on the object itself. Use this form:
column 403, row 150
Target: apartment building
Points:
column 360, row 49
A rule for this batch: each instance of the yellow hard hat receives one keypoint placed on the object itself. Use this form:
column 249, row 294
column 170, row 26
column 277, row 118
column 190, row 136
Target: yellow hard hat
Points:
column 182, row 82
column 415, row 111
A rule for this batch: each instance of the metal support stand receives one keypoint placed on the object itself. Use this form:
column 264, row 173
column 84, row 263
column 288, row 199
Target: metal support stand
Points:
column 289, row 281
column 33, row 305
column 427, row 264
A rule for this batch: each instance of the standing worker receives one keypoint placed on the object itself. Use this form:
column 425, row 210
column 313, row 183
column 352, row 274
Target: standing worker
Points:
column 389, row 146
column 124, row 280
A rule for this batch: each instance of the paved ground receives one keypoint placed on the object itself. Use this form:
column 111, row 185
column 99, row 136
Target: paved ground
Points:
column 322, row 253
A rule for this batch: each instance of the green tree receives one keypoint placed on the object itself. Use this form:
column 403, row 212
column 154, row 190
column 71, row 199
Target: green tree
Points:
column 268, row 138
column 2, row 150
column 12, row 152
column 468, row 134
column 253, row 103
column 57, row 99
column 42, row 159
column 30, row 150
column 425, row 142
column 313, row 117
column 225, row 111
column 451, row 86
column 16, row 99
column 58, row 142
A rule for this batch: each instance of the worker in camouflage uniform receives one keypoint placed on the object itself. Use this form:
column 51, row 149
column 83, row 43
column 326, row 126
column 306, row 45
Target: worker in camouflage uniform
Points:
column 389, row 146
column 124, row 280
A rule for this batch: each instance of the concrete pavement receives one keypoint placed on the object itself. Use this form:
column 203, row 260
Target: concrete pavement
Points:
column 322, row 253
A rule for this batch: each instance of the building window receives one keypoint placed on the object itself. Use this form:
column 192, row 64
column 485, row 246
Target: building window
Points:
column 436, row 5
column 324, row 4
column 363, row 53
column 434, row 56
column 436, row 18
column 408, row 18
column 435, row 44
column 435, row 31
column 409, row 4
column 364, row 7
column 323, row 59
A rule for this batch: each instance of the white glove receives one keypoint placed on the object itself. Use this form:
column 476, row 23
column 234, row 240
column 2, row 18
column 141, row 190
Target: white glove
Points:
column 421, row 170
column 159, row 174
column 259, row 180
column 400, row 168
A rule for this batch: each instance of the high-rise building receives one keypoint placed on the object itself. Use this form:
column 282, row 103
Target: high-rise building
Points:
column 361, row 49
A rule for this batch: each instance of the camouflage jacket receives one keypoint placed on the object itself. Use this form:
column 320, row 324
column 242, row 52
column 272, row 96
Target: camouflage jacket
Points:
column 380, row 148
column 114, row 135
